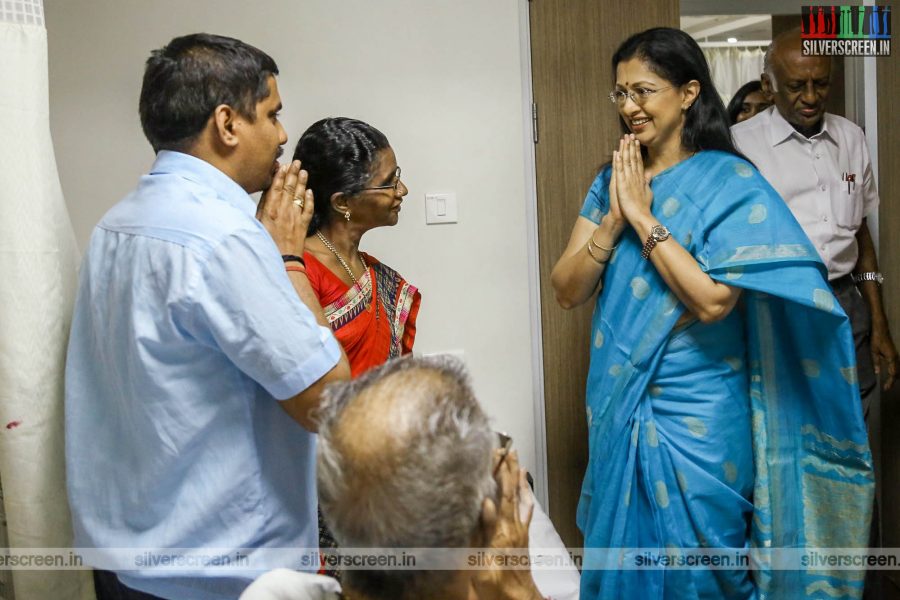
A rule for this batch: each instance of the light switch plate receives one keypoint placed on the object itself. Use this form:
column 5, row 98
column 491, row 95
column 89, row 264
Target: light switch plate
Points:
column 441, row 208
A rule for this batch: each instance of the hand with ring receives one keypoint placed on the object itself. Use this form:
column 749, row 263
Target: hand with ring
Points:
column 286, row 209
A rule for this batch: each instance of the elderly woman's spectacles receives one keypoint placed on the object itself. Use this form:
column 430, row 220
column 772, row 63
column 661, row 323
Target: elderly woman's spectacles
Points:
column 390, row 186
column 638, row 96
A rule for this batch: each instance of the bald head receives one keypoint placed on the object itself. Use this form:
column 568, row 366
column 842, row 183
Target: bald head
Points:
column 798, row 85
column 380, row 422
column 404, row 461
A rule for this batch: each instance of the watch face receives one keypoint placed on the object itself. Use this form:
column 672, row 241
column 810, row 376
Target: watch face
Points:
column 659, row 232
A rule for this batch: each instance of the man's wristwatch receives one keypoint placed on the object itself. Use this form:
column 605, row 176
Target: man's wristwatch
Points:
column 868, row 276
column 658, row 233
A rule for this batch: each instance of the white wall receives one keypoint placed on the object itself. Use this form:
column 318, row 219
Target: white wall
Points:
column 441, row 78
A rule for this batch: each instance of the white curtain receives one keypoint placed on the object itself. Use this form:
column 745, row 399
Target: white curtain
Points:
column 38, row 261
column 733, row 67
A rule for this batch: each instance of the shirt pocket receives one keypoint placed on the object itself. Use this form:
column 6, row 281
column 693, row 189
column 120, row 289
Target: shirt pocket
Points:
column 848, row 207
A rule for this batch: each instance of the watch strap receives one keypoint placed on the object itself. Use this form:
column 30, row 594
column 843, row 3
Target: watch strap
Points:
column 658, row 233
column 868, row 276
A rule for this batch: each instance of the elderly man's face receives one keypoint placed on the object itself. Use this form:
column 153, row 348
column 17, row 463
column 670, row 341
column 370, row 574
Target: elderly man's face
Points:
column 801, row 88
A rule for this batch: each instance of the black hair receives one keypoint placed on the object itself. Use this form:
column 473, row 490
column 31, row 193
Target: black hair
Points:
column 188, row 78
column 675, row 56
column 737, row 102
column 339, row 154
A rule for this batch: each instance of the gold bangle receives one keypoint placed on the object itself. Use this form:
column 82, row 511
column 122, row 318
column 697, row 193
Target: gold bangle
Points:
column 599, row 247
column 594, row 256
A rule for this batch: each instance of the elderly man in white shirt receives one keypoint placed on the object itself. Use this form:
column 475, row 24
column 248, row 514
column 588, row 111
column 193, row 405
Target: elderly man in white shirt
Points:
column 819, row 164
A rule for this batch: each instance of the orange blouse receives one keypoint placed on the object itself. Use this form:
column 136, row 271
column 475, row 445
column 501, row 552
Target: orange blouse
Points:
column 374, row 319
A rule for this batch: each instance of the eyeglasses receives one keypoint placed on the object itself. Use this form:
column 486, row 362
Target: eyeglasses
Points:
column 638, row 96
column 390, row 186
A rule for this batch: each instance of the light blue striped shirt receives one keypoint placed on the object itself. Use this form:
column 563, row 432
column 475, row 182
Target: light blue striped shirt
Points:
column 186, row 331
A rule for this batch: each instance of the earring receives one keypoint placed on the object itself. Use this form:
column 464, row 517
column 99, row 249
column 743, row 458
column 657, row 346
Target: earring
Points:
column 347, row 216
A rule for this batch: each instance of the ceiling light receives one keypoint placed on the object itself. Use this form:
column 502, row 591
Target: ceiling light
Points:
column 732, row 40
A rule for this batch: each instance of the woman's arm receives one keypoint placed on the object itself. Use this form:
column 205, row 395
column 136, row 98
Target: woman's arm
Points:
column 576, row 275
column 706, row 298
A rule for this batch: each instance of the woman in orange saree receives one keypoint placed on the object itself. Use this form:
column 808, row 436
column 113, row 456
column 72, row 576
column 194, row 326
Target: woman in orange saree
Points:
column 353, row 173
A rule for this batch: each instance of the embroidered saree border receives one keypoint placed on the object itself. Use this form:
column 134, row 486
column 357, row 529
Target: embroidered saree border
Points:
column 347, row 307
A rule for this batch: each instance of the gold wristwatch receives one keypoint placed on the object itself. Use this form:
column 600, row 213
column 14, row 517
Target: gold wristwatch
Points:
column 658, row 233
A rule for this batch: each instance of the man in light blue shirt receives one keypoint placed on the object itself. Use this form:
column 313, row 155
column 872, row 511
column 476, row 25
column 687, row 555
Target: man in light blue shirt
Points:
column 198, row 349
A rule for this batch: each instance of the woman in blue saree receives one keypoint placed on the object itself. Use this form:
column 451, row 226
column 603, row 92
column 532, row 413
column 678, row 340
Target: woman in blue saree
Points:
column 722, row 401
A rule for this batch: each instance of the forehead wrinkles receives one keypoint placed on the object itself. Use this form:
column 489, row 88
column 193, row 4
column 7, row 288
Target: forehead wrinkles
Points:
column 793, row 65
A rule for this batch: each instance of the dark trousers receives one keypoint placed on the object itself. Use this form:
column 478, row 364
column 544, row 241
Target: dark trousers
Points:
column 861, row 323
column 108, row 587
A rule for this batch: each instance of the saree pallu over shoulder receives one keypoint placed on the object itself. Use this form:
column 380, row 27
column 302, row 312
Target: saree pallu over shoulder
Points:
column 375, row 319
column 350, row 304
column 399, row 298
column 813, row 481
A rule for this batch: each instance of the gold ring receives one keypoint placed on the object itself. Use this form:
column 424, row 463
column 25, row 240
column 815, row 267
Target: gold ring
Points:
column 298, row 202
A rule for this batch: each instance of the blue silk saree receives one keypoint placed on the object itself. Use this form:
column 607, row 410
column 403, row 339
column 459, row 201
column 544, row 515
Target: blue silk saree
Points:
column 747, row 432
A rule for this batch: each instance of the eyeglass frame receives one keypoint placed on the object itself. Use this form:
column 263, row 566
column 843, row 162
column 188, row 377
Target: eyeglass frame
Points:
column 638, row 98
column 390, row 186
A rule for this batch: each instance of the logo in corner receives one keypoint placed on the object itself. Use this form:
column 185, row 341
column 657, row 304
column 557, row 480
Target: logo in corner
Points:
column 846, row 30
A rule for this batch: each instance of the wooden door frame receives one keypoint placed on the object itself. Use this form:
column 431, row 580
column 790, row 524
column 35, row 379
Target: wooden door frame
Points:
column 534, row 275
column 881, row 122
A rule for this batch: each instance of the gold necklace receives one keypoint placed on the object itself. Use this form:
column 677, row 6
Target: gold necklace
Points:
column 337, row 255
column 340, row 258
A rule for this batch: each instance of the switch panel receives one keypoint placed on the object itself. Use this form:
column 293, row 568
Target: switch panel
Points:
column 441, row 208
